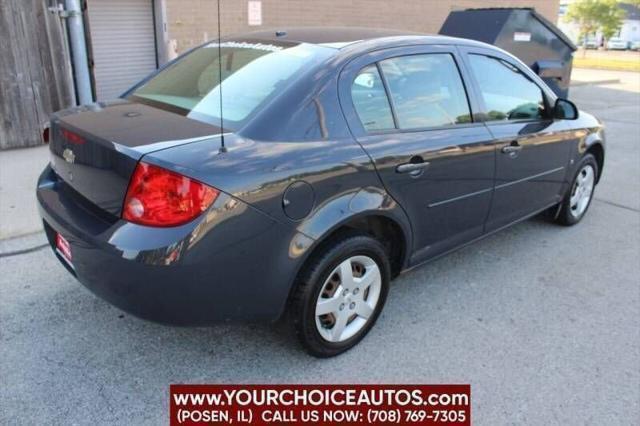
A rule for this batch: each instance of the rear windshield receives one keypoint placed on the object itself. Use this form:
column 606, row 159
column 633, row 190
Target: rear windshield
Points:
column 253, row 72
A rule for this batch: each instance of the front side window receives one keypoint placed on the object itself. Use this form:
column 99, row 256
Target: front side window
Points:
column 426, row 90
column 370, row 100
column 508, row 94
column 252, row 74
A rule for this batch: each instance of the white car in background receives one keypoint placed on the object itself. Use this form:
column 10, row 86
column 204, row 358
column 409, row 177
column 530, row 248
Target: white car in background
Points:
column 635, row 45
column 591, row 43
column 617, row 44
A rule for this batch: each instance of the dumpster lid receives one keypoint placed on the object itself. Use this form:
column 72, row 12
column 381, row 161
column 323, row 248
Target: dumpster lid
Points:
column 554, row 29
column 468, row 19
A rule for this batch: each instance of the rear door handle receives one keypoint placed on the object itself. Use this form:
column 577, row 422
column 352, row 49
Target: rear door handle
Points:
column 414, row 169
column 512, row 148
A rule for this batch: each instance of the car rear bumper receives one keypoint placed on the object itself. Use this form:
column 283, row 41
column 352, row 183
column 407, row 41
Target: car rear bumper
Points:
column 231, row 263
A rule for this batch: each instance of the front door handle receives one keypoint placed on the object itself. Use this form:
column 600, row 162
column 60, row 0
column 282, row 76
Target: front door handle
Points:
column 512, row 148
column 414, row 168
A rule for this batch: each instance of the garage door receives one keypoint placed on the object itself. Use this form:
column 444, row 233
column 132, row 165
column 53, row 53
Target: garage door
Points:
column 123, row 44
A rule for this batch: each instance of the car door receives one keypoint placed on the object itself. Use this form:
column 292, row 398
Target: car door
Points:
column 532, row 148
column 409, row 109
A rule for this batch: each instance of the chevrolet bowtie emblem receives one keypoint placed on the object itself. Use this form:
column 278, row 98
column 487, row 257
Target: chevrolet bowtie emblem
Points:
column 68, row 155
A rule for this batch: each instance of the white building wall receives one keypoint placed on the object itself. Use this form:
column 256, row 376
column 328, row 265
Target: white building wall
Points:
column 630, row 30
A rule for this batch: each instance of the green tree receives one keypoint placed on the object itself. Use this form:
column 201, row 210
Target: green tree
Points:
column 586, row 14
column 594, row 15
column 612, row 17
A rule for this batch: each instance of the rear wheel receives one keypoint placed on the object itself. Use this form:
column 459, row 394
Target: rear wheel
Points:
column 577, row 200
column 340, row 294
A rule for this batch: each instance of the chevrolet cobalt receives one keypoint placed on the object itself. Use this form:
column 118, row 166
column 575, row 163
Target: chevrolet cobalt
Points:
column 296, row 173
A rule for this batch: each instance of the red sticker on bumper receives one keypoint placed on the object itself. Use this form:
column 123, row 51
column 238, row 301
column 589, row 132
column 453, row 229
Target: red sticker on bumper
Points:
column 63, row 247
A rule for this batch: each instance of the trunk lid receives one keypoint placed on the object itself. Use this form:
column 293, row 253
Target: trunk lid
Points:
column 95, row 148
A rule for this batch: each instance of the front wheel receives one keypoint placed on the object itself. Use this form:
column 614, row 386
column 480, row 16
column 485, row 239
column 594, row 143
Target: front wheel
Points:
column 578, row 198
column 340, row 294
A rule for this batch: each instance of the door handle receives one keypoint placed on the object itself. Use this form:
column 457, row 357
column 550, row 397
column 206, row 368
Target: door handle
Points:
column 511, row 148
column 414, row 169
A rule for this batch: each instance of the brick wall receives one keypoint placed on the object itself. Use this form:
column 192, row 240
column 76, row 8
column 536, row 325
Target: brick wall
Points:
column 190, row 22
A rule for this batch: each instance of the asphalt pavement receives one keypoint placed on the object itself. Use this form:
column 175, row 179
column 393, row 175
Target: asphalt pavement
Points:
column 542, row 320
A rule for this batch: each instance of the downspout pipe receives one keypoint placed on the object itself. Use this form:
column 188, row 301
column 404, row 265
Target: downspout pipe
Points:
column 79, row 57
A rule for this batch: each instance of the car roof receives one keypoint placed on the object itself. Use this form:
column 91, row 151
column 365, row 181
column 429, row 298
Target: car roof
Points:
column 341, row 37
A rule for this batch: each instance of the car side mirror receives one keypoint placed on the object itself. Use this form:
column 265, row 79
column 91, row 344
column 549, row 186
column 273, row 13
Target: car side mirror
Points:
column 565, row 110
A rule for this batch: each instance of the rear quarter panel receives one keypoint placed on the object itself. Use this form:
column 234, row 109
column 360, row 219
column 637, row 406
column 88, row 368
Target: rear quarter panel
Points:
column 344, row 182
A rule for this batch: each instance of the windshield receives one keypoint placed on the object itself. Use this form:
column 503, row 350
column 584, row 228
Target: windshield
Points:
column 253, row 72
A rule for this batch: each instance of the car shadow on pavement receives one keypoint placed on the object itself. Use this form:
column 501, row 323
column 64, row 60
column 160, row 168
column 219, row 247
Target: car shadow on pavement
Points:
column 498, row 312
column 97, row 330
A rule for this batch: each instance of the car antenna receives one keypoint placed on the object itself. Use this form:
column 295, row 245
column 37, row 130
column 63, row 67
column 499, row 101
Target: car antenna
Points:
column 222, row 147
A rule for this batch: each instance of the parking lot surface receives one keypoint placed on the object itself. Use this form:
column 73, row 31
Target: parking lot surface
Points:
column 542, row 320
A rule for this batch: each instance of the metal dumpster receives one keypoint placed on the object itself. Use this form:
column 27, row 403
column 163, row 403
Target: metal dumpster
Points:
column 523, row 33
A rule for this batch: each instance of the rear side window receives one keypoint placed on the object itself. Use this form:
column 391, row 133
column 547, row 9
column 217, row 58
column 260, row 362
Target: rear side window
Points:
column 426, row 90
column 370, row 100
column 508, row 94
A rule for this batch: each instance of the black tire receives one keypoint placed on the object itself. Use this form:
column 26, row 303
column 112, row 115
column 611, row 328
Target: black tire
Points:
column 565, row 217
column 311, row 281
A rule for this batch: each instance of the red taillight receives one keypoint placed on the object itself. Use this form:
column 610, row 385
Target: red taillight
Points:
column 159, row 197
column 71, row 137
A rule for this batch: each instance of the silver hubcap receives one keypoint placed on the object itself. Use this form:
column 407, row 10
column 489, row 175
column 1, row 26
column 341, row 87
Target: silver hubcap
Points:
column 582, row 191
column 348, row 298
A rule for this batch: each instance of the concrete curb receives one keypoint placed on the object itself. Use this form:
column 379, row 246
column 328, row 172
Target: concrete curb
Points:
column 23, row 244
column 595, row 82
column 22, row 251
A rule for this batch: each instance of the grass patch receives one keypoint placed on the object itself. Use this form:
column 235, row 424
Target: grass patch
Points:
column 607, row 64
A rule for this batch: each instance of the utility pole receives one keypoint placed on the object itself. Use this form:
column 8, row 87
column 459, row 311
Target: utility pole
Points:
column 78, row 51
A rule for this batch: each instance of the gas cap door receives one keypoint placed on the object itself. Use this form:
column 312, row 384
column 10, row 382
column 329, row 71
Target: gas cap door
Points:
column 298, row 200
